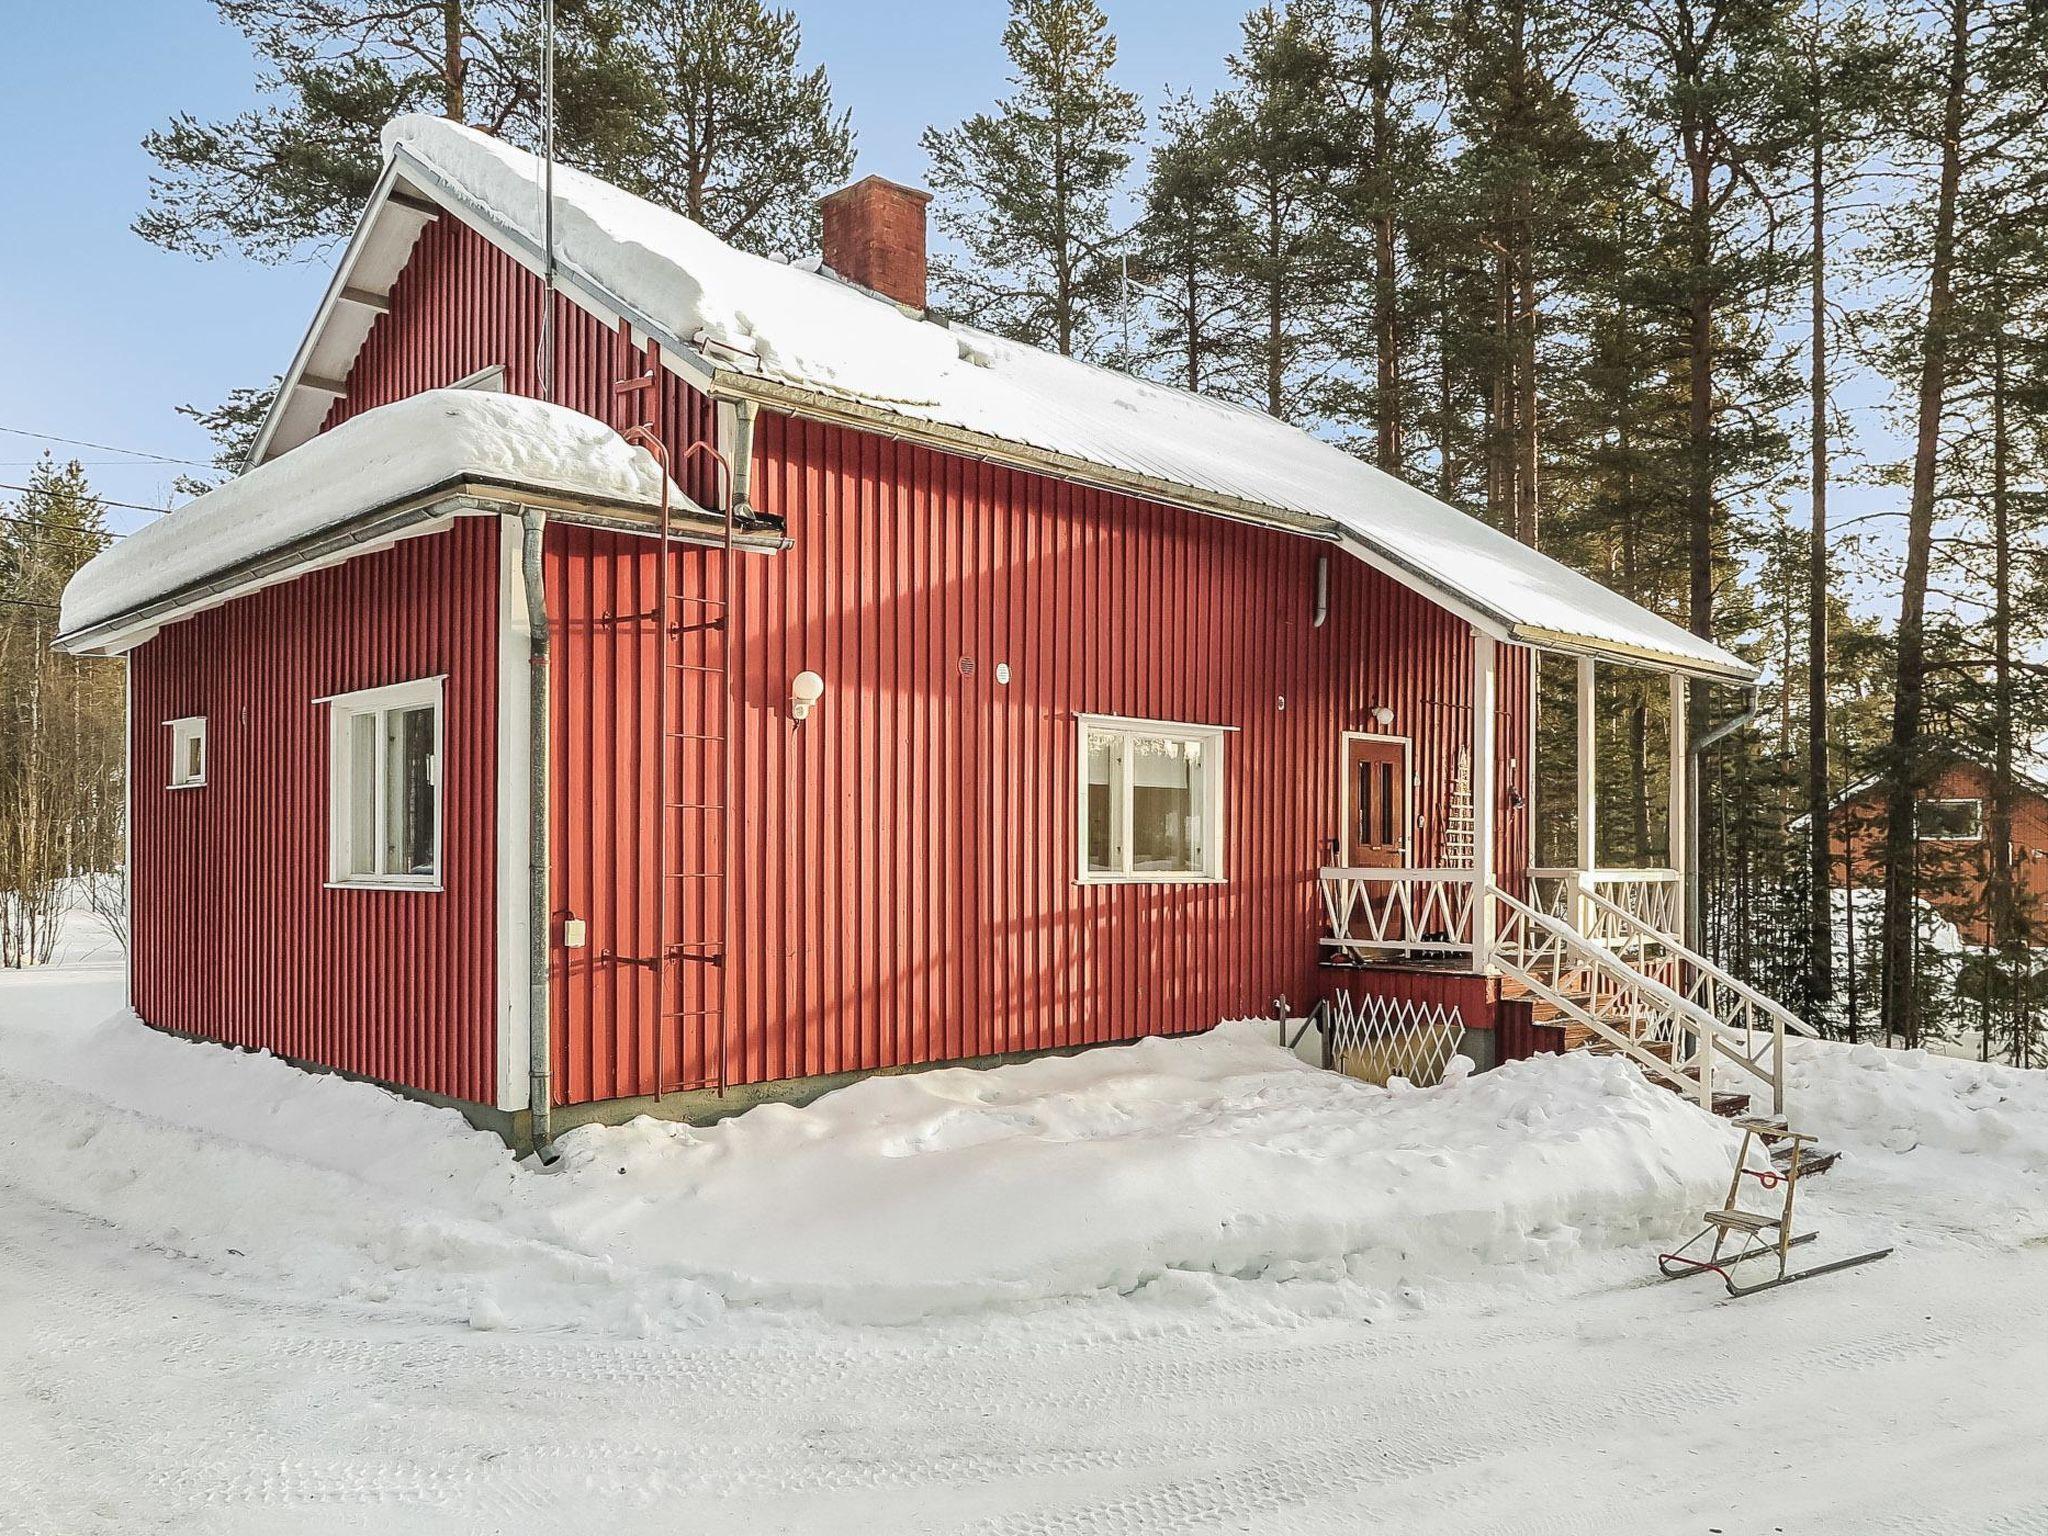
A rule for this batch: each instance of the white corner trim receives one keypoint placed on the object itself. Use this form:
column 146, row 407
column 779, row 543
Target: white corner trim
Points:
column 514, row 873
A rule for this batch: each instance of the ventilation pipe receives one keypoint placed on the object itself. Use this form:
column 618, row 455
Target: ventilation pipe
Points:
column 539, row 924
column 1322, row 591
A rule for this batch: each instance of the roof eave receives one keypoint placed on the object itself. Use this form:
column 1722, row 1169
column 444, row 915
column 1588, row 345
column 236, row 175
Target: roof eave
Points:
column 375, row 528
column 817, row 405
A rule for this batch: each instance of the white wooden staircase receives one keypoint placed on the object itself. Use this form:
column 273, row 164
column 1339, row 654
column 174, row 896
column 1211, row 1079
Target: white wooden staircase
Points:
column 1592, row 954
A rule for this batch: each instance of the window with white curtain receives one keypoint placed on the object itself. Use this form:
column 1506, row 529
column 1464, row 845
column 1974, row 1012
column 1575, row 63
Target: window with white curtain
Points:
column 1151, row 800
column 385, row 772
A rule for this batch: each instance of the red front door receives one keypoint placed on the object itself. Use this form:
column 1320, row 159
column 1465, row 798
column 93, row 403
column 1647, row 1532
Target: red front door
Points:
column 1375, row 802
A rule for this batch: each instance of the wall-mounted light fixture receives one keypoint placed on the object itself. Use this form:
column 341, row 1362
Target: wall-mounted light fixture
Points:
column 1382, row 716
column 805, row 689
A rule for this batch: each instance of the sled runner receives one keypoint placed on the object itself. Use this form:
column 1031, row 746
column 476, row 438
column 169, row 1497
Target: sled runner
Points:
column 1740, row 1235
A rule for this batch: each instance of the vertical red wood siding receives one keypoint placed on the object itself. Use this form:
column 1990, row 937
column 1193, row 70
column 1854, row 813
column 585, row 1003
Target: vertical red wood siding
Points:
column 236, row 936
column 904, row 864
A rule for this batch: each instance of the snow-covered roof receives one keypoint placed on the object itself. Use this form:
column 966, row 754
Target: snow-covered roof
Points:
column 749, row 319
column 441, row 438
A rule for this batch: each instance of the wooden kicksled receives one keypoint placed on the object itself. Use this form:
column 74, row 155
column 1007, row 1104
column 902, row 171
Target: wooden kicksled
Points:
column 1739, row 1235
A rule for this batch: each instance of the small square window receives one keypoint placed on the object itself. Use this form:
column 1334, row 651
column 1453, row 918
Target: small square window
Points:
column 386, row 785
column 1949, row 821
column 1151, row 801
column 188, row 752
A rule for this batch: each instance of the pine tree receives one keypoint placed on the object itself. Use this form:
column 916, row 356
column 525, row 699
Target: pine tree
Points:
column 1712, row 82
column 1959, row 110
column 60, row 748
column 1837, row 61
column 732, row 133
column 1027, row 189
column 233, row 425
column 1527, row 165
column 1387, row 156
column 1179, row 245
column 1281, row 127
column 299, row 167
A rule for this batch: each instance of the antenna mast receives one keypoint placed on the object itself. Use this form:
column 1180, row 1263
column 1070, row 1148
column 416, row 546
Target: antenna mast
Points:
column 544, row 360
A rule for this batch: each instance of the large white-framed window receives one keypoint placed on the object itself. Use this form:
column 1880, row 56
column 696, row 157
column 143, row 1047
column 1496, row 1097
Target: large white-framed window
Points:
column 1948, row 821
column 1151, row 800
column 384, row 804
column 188, row 751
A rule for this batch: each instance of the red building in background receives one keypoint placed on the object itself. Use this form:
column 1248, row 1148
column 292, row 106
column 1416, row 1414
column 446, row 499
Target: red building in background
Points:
column 975, row 701
column 1954, row 834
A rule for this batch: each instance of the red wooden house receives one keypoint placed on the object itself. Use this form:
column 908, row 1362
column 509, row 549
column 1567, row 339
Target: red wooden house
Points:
column 973, row 701
column 1953, row 832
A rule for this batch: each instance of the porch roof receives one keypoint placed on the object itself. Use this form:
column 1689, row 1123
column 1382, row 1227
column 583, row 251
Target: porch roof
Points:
column 795, row 337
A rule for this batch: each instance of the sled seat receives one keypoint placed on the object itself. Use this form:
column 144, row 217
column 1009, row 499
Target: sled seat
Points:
column 1742, row 1221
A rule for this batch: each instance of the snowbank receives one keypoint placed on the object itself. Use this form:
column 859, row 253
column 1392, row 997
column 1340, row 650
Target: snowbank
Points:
column 1216, row 1155
column 1878, row 1101
column 1164, row 1166
column 814, row 331
column 371, row 461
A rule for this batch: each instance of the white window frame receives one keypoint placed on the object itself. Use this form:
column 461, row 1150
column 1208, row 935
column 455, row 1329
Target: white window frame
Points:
column 1212, row 738
column 342, row 710
column 187, row 728
column 1974, row 835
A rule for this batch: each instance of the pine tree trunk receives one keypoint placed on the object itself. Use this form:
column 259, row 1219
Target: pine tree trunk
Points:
column 1820, row 923
column 2004, row 938
column 1898, row 989
column 1387, row 443
column 1527, row 525
column 453, row 105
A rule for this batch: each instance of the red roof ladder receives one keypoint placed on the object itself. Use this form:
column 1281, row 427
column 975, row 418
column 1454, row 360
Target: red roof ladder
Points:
column 691, row 976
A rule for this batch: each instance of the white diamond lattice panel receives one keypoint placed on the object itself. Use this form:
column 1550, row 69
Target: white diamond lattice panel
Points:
column 1377, row 1038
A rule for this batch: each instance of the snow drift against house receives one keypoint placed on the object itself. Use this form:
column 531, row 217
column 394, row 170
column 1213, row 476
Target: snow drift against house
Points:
column 810, row 330
column 374, row 460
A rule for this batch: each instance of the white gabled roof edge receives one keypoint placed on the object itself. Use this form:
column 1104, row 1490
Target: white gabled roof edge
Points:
column 806, row 344
column 381, row 476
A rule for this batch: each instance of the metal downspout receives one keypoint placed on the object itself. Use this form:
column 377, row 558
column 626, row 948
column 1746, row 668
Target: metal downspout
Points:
column 540, row 1093
column 1694, row 927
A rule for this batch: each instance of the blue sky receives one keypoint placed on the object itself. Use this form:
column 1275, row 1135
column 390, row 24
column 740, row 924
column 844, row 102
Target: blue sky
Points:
column 101, row 334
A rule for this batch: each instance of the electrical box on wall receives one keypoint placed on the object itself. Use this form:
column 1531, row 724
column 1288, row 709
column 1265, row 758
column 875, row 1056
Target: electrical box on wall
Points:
column 575, row 933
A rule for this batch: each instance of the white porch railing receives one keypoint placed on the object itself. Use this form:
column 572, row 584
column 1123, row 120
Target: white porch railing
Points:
column 1376, row 912
column 1602, row 946
column 1752, row 1025
column 1666, row 1035
column 1655, row 898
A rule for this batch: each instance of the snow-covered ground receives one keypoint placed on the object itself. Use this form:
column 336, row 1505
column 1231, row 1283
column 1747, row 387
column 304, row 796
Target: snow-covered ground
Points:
column 1189, row 1285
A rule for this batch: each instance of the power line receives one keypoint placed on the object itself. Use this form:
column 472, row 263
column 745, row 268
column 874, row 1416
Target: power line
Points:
column 132, row 506
column 79, row 442
column 26, row 521
column 23, row 602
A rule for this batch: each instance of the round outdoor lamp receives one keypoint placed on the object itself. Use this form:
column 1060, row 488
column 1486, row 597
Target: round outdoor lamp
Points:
column 805, row 689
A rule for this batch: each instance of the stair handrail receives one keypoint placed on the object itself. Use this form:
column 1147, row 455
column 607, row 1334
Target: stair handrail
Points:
column 1595, row 957
column 1769, row 1005
column 1713, row 981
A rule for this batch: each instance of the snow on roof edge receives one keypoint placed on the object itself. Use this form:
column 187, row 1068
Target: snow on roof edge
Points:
column 371, row 461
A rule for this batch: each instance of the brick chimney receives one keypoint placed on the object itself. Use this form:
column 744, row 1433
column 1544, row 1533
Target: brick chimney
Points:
column 874, row 236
